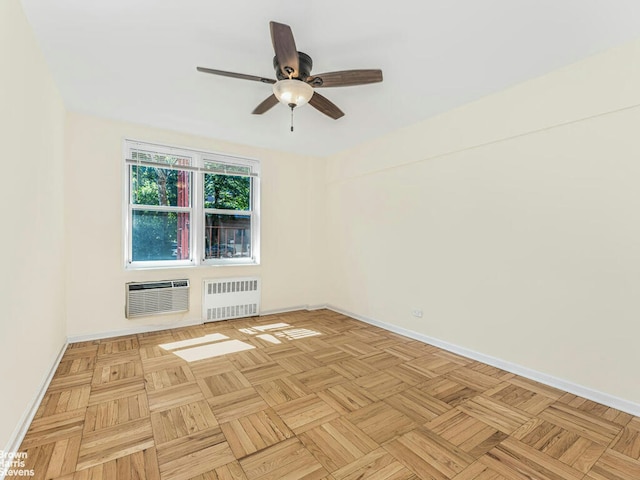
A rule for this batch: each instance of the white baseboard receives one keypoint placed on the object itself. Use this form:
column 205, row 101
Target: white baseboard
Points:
column 132, row 331
column 27, row 417
column 567, row 386
column 278, row 311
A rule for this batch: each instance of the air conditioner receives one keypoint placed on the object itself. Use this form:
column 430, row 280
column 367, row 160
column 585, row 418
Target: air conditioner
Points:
column 153, row 298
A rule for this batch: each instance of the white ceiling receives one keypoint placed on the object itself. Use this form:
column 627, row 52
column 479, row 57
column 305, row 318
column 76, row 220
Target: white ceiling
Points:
column 135, row 60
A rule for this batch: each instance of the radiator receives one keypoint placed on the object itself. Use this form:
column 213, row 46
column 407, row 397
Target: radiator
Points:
column 227, row 298
column 152, row 298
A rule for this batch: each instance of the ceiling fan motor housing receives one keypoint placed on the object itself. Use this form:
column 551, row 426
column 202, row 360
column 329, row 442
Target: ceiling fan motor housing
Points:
column 305, row 64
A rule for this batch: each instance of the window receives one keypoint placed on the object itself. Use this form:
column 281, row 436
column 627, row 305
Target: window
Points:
column 187, row 207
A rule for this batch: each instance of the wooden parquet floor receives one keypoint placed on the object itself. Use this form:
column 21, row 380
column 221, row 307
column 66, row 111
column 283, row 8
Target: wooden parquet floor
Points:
column 312, row 395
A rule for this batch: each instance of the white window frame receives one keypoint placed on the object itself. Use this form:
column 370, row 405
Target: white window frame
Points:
column 201, row 165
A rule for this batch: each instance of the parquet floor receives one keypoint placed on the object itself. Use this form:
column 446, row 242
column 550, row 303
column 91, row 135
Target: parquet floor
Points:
column 312, row 395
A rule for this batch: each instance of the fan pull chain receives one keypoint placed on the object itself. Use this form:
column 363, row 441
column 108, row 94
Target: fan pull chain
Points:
column 292, row 106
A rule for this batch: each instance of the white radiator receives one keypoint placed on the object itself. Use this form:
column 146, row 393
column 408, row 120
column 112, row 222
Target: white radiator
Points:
column 152, row 298
column 227, row 298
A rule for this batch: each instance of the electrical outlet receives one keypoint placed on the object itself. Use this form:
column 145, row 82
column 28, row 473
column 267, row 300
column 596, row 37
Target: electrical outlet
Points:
column 417, row 313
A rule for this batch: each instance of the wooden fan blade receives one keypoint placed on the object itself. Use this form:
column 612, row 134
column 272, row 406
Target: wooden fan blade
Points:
column 285, row 47
column 236, row 75
column 267, row 104
column 325, row 106
column 345, row 78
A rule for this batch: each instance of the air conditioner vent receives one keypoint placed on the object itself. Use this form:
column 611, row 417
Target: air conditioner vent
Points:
column 154, row 298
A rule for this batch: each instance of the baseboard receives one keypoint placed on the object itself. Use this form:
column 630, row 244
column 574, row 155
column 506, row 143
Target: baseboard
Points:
column 132, row 331
column 278, row 311
column 567, row 386
column 15, row 440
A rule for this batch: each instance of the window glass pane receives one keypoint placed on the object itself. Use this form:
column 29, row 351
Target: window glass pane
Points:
column 227, row 192
column 160, row 236
column 160, row 186
column 227, row 236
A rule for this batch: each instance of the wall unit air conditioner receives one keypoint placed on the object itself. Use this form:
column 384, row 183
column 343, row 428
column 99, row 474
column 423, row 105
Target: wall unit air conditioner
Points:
column 153, row 298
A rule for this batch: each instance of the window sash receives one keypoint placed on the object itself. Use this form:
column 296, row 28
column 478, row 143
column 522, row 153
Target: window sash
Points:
column 201, row 163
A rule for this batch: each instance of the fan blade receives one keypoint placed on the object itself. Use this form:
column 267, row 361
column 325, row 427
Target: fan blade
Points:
column 236, row 75
column 285, row 47
column 345, row 78
column 267, row 104
column 325, row 106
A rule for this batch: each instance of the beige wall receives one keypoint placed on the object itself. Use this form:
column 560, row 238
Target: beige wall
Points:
column 32, row 327
column 511, row 222
column 94, row 222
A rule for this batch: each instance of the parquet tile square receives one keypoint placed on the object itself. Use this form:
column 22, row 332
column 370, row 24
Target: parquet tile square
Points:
column 54, row 459
column 448, row 391
column 352, row 368
column 470, row 434
column 298, row 363
column 520, row 398
column 142, row 465
column 376, row 465
column 429, row 455
column 335, row 399
column 286, row 460
column 498, row 415
column 381, row 422
column 118, row 345
column 514, row 459
column 347, row 397
column 255, row 432
column 61, row 401
column 568, row 447
column 53, row 428
column 628, row 441
column 264, row 373
column 408, row 375
column 381, row 384
column 222, row 383
column 329, row 355
column 251, row 358
column 110, row 443
column 418, row 406
column 203, row 456
column 380, row 360
column 230, row 471
column 116, row 411
column 168, row 376
column 281, row 390
column 410, row 349
column 169, row 397
column 181, row 421
column 337, row 443
column 236, row 404
column 320, row 378
column 613, row 465
column 596, row 429
column 596, row 409
column 305, row 413
column 472, row 379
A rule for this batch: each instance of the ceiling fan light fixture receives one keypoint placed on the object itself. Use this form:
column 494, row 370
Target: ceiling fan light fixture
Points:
column 292, row 92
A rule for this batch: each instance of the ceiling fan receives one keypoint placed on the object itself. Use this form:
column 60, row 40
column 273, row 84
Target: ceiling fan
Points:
column 295, row 85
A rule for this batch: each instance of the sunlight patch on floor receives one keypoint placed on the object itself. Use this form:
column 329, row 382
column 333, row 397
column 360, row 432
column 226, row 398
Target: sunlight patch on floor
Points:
column 212, row 337
column 213, row 350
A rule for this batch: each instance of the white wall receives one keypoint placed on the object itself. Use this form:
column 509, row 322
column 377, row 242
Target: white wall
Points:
column 94, row 222
column 512, row 222
column 32, row 327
